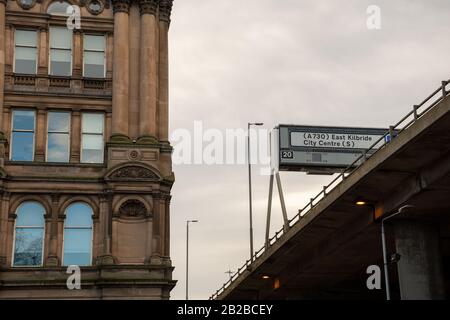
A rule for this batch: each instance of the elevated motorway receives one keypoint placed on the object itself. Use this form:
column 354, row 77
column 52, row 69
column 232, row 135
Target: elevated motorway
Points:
column 324, row 252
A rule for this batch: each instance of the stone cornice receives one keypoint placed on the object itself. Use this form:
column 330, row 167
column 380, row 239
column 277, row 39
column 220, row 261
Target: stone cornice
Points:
column 165, row 10
column 120, row 6
column 148, row 6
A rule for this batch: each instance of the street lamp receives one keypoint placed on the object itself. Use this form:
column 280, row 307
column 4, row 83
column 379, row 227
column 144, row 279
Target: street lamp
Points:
column 250, row 185
column 187, row 256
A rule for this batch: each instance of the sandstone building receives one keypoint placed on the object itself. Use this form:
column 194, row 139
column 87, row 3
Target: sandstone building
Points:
column 85, row 162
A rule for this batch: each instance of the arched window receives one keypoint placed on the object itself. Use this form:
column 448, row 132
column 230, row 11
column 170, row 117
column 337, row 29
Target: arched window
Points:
column 29, row 235
column 78, row 235
column 58, row 8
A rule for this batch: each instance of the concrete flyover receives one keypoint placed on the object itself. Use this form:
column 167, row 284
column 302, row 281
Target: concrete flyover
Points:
column 324, row 254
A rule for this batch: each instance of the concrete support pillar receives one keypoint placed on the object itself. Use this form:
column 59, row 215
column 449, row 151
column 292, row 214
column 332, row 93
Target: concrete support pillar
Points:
column 148, row 69
column 165, row 8
column 135, row 35
column 121, row 76
column 420, row 266
column 2, row 60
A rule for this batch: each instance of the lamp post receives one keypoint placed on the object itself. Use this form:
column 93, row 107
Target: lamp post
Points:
column 187, row 256
column 250, row 185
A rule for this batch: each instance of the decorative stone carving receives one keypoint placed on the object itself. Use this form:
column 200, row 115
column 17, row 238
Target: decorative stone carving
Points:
column 134, row 172
column 24, row 4
column 148, row 6
column 134, row 155
column 121, row 6
column 95, row 7
column 165, row 10
column 133, row 208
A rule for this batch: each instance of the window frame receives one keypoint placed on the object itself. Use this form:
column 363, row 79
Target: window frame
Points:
column 11, row 148
column 28, row 227
column 22, row 46
column 91, row 256
column 88, row 133
column 50, row 49
column 89, row 50
column 69, row 135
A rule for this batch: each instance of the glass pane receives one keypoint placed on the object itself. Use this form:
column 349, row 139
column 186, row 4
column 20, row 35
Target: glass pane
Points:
column 94, row 42
column 94, row 71
column 94, row 65
column 22, row 146
column 26, row 38
column 60, row 64
column 28, row 247
column 23, row 120
column 92, row 149
column 58, row 7
column 77, row 247
column 58, row 147
column 79, row 215
column 60, row 38
column 25, row 60
column 58, row 121
column 92, row 123
column 30, row 214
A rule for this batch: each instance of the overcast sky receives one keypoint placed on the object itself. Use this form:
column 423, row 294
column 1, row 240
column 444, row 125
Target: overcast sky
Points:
column 284, row 61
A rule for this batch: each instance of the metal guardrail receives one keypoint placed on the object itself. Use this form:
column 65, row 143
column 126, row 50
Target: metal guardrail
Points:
column 416, row 113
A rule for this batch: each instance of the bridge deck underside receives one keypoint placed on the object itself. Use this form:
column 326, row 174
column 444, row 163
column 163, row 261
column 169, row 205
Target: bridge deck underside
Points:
column 326, row 254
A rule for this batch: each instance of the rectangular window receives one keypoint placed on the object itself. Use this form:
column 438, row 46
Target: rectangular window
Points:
column 94, row 56
column 58, row 138
column 22, row 139
column 60, row 51
column 25, row 52
column 92, row 138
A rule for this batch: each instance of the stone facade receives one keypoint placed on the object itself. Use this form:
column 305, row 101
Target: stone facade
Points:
column 129, row 192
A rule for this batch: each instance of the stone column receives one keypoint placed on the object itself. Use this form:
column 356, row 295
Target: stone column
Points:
column 420, row 267
column 77, row 68
column 40, row 134
column 75, row 133
column 43, row 52
column 167, row 226
column 134, row 71
column 9, row 43
column 105, row 257
column 2, row 61
column 121, row 55
column 109, row 54
column 165, row 9
column 42, row 80
column 157, row 241
column 148, row 78
column 52, row 259
column 4, row 207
